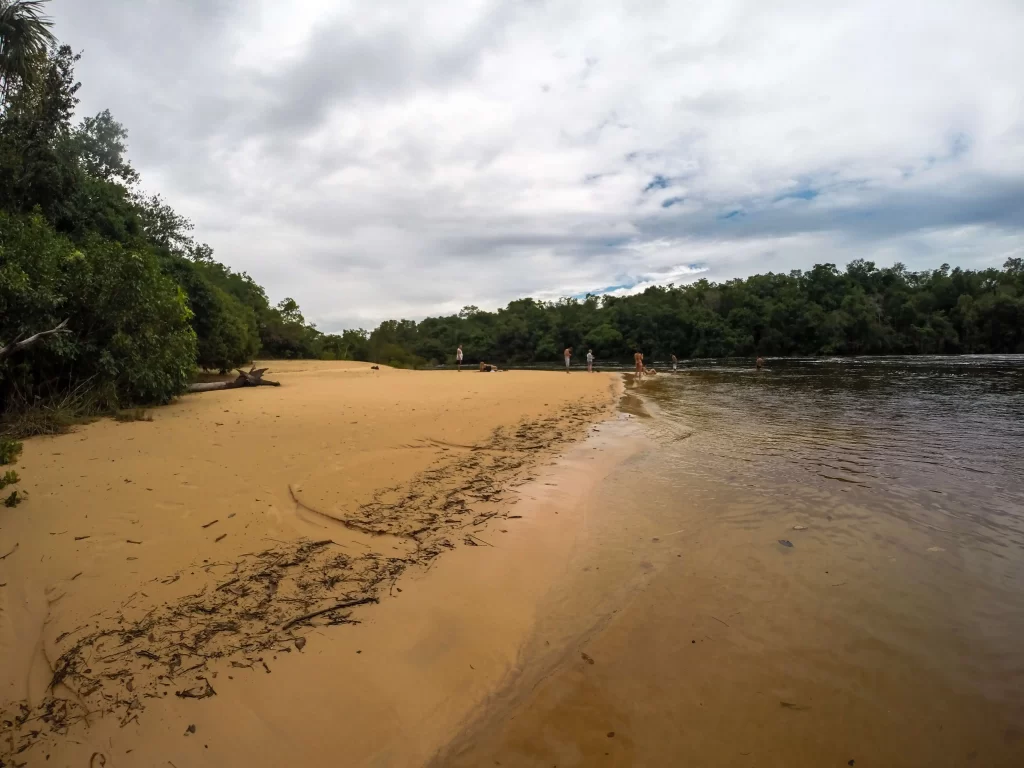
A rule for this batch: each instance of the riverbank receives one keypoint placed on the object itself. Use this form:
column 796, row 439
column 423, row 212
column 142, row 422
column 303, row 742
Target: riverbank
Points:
column 176, row 580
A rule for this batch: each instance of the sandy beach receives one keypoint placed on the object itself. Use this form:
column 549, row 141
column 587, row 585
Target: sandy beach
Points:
column 337, row 571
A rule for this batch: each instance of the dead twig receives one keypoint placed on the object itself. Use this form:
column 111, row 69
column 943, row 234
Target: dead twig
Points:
column 17, row 344
column 336, row 607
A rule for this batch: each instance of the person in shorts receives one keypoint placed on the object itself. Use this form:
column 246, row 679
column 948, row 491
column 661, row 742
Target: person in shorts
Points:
column 590, row 361
column 568, row 357
column 458, row 357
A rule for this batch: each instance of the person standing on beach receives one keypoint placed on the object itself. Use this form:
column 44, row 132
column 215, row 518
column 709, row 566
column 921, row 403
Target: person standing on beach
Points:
column 568, row 357
column 760, row 363
column 590, row 361
column 675, row 363
column 638, row 358
column 458, row 357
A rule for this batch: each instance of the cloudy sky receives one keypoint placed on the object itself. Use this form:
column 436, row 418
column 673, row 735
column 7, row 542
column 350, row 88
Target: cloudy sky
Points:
column 393, row 158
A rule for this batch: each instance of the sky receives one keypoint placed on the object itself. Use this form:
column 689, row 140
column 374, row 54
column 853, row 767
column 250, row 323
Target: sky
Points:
column 394, row 159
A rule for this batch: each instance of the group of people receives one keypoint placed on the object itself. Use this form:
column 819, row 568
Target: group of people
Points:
column 638, row 358
column 568, row 359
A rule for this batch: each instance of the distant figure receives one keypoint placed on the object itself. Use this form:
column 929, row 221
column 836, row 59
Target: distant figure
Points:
column 487, row 367
column 458, row 357
column 638, row 358
column 759, row 363
column 675, row 363
column 568, row 357
column 651, row 371
column 590, row 361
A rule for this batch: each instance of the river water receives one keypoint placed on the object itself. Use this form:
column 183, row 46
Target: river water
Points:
column 818, row 564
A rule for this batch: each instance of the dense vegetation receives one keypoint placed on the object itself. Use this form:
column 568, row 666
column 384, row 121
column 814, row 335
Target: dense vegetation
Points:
column 860, row 311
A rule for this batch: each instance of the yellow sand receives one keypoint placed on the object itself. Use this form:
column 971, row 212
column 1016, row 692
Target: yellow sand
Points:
column 127, row 521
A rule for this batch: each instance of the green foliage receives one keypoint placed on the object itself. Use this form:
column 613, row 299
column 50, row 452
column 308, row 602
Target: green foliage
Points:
column 131, row 335
column 226, row 329
column 99, row 146
column 860, row 311
column 14, row 499
column 10, row 450
column 9, row 478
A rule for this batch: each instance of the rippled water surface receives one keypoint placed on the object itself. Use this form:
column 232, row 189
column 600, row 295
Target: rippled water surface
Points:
column 817, row 564
column 933, row 442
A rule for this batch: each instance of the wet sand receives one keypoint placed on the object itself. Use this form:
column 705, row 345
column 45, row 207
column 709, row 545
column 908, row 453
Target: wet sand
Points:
column 338, row 571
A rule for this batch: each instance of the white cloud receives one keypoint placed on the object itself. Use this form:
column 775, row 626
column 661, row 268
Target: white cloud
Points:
column 405, row 159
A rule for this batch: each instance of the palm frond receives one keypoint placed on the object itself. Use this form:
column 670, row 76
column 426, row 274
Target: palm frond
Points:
column 24, row 34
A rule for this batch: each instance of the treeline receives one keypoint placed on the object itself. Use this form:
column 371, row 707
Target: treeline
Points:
column 824, row 311
column 80, row 239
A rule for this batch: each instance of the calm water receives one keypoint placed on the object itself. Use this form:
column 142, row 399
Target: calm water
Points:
column 817, row 564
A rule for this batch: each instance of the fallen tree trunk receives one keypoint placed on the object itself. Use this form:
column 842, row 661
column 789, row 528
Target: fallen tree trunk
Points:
column 19, row 343
column 254, row 378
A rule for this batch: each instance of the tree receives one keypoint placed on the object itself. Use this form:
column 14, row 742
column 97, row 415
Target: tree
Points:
column 37, row 164
column 100, row 147
column 24, row 37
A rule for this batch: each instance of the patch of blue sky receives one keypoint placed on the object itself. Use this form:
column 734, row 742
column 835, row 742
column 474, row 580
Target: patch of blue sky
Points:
column 606, row 289
column 658, row 182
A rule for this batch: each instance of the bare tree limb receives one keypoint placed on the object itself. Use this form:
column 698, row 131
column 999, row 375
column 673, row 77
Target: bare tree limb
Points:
column 19, row 344
column 251, row 378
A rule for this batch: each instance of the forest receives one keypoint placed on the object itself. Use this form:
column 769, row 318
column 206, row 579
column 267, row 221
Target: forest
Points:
column 861, row 310
column 147, row 305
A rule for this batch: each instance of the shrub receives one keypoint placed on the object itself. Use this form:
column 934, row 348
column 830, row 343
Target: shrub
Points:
column 131, row 337
column 10, row 450
column 227, row 334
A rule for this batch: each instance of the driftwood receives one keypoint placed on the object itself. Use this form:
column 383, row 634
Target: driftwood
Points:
column 254, row 378
column 336, row 607
column 20, row 343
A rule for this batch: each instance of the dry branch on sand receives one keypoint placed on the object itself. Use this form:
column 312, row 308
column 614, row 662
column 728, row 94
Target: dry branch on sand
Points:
column 251, row 378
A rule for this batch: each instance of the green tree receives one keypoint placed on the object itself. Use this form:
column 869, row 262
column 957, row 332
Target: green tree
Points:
column 24, row 36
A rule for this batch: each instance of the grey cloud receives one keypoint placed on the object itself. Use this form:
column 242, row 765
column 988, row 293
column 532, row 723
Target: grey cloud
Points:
column 407, row 159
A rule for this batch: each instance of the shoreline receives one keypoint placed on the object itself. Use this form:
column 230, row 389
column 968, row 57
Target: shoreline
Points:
column 385, row 532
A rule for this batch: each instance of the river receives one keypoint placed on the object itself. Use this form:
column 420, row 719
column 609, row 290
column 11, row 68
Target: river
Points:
column 818, row 564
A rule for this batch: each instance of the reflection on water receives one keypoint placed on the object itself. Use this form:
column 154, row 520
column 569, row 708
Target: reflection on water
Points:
column 818, row 564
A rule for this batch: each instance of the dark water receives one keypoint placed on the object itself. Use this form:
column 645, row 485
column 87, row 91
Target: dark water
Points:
column 932, row 442
column 821, row 563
